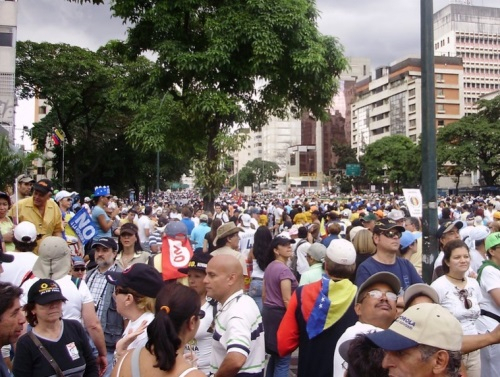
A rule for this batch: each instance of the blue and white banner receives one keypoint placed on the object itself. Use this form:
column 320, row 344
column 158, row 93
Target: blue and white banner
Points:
column 83, row 226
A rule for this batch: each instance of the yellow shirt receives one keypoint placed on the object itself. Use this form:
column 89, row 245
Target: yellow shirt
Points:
column 49, row 225
column 299, row 218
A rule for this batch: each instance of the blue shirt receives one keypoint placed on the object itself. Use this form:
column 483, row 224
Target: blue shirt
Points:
column 198, row 234
column 96, row 212
column 403, row 269
column 189, row 224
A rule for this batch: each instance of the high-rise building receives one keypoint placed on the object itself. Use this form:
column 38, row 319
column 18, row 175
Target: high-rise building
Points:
column 389, row 102
column 8, row 30
column 472, row 33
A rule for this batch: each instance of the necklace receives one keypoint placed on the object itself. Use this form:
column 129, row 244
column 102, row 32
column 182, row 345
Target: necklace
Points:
column 451, row 277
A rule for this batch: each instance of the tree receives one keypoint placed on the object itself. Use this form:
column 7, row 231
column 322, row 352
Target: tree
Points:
column 345, row 155
column 225, row 64
column 263, row 170
column 245, row 177
column 395, row 157
column 12, row 163
column 472, row 143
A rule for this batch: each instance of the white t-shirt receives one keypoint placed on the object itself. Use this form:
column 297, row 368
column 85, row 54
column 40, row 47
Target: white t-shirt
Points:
column 349, row 333
column 142, row 224
column 302, row 265
column 476, row 259
column 142, row 339
column 490, row 279
column 76, row 297
column 246, row 241
column 201, row 345
column 15, row 271
column 449, row 298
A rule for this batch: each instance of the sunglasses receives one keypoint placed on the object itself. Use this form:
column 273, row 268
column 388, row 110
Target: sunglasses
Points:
column 391, row 233
column 79, row 269
column 463, row 294
column 120, row 290
column 376, row 294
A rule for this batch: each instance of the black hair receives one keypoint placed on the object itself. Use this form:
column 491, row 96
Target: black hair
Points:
column 175, row 305
column 24, row 246
column 8, row 293
column 302, row 232
column 448, row 249
column 365, row 359
column 262, row 240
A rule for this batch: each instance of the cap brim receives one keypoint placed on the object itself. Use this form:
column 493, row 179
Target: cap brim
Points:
column 390, row 340
column 50, row 298
column 420, row 289
column 6, row 258
column 95, row 243
column 381, row 277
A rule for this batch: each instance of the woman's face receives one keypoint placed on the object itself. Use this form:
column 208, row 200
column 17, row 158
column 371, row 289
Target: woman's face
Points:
column 4, row 207
column 459, row 261
column 195, row 281
column 283, row 251
column 128, row 239
column 50, row 312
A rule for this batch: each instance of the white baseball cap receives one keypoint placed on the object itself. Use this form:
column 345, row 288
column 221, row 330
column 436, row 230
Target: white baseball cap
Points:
column 25, row 232
column 342, row 252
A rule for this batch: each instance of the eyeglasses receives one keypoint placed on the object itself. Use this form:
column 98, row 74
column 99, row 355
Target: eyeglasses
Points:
column 376, row 294
column 463, row 294
column 120, row 290
column 79, row 269
column 391, row 233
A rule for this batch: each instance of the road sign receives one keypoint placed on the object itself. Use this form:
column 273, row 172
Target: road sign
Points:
column 353, row 170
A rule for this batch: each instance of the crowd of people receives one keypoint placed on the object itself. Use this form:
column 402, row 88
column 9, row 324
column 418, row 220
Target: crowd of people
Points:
column 167, row 288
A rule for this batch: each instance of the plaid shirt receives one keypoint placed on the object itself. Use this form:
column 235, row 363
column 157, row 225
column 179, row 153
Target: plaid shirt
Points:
column 97, row 285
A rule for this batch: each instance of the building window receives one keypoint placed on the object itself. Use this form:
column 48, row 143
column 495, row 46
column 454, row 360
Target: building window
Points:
column 42, row 110
column 440, row 93
column 292, row 159
column 412, row 108
column 439, row 77
column 440, row 123
column 6, row 39
column 440, row 108
column 411, row 93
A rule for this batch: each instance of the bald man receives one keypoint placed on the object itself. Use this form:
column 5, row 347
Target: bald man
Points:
column 238, row 341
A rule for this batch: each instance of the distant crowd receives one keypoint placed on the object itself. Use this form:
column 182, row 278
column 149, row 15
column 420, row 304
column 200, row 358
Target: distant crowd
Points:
column 166, row 287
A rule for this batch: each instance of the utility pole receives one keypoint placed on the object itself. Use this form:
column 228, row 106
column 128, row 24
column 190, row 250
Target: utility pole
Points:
column 429, row 162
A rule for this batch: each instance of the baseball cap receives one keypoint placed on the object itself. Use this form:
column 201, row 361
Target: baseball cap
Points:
column 427, row 324
column 63, row 194
column 396, row 214
column 420, row 289
column 354, row 231
column 25, row 232
column 199, row 261
column 203, row 217
column 25, row 178
column 87, row 199
column 45, row 291
column 380, row 277
column 317, row 251
column 496, row 215
column 448, row 226
column 342, row 252
column 106, row 242
column 370, row 217
column 479, row 233
column 54, row 258
column 77, row 261
column 281, row 239
column 44, row 186
column 387, row 224
column 176, row 228
column 492, row 240
column 128, row 228
column 407, row 238
column 141, row 277
column 245, row 219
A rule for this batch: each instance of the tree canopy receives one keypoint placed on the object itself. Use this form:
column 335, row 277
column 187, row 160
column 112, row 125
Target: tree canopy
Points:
column 257, row 171
column 472, row 143
column 395, row 158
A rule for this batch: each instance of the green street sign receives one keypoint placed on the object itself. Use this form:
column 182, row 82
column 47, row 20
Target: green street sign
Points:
column 353, row 170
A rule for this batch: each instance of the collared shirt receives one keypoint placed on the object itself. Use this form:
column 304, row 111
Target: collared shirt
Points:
column 97, row 285
column 139, row 257
column 48, row 225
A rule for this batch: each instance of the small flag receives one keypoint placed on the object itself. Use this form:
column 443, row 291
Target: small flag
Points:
column 57, row 137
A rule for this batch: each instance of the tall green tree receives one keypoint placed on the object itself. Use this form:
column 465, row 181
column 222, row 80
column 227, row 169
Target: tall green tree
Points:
column 472, row 144
column 263, row 171
column 12, row 163
column 225, row 64
column 396, row 158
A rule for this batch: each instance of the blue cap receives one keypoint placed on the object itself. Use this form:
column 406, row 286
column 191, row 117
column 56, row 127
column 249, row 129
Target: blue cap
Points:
column 407, row 238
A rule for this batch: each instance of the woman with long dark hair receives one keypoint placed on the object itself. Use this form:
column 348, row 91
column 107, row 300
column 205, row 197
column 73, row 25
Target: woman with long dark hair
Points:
column 176, row 321
column 208, row 242
column 258, row 257
column 129, row 247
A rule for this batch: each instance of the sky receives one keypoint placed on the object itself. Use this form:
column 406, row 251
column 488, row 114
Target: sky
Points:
column 382, row 30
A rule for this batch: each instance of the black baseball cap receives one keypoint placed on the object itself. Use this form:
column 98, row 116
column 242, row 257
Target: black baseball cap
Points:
column 45, row 291
column 387, row 224
column 141, row 277
column 107, row 242
column 199, row 262
column 44, row 186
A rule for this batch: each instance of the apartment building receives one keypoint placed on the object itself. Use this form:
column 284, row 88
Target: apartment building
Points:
column 473, row 34
column 389, row 101
column 8, row 32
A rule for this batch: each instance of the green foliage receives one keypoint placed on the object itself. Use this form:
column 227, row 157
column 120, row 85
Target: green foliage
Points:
column 12, row 163
column 472, row 143
column 346, row 155
column 396, row 156
column 245, row 177
column 221, row 64
column 263, row 171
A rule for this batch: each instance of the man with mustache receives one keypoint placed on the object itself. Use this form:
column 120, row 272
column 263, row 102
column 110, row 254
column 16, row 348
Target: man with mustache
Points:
column 376, row 310
column 12, row 319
